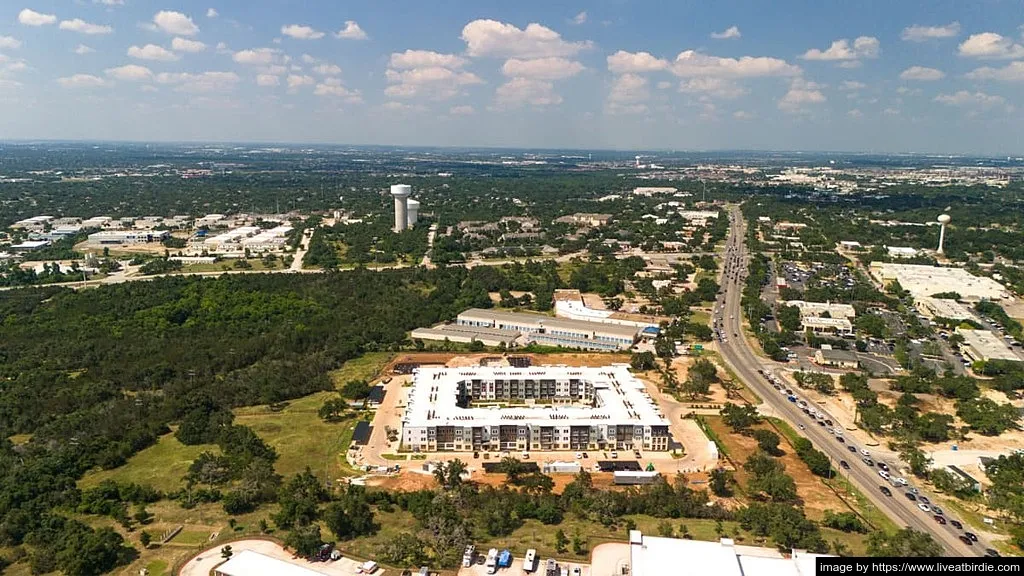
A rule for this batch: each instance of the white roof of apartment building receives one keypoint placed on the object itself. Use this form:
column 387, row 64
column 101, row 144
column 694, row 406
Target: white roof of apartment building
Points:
column 250, row 563
column 922, row 281
column 902, row 251
column 621, row 398
column 987, row 344
column 649, row 555
column 834, row 310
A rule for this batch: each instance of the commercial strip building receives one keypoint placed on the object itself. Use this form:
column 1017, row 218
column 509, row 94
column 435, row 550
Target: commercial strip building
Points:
column 467, row 334
column 819, row 309
column 548, row 331
column 569, row 304
column 827, row 326
column 944, row 308
column 924, row 281
column 651, row 555
column 545, row 408
column 252, row 238
column 827, row 356
column 984, row 345
column 123, row 237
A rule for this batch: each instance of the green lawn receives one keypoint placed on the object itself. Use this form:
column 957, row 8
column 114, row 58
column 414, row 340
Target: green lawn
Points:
column 700, row 317
column 160, row 466
column 157, row 568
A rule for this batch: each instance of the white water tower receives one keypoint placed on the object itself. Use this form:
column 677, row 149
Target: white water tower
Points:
column 943, row 220
column 401, row 193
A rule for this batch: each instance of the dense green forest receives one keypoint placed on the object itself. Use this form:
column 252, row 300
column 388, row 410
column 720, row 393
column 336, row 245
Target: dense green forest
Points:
column 92, row 377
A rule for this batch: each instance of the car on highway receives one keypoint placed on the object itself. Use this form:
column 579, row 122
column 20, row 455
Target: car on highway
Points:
column 844, row 465
column 868, row 461
column 924, row 499
column 883, row 466
column 966, row 540
column 828, row 429
column 971, row 536
column 991, row 553
column 956, row 524
column 885, row 490
column 924, row 507
column 936, row 509
column 851, row 448
column 840, row 439
column 883, row 474
column 914, row 490
column 940, row 519
column 900, row 480
column 910, row 496
column 865, row 452
column 800, row 426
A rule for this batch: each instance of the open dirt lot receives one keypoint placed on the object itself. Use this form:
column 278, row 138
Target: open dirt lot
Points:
column 817, row 497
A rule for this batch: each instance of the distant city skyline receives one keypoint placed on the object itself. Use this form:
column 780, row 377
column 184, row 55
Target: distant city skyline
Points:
column 871, row 76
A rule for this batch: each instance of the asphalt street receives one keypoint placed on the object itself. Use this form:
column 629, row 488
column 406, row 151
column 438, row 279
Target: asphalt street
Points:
column 737, row 352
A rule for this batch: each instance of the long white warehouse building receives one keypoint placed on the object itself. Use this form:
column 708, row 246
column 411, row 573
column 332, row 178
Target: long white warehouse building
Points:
column 546, row 408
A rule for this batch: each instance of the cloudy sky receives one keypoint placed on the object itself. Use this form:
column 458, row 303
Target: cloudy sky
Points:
column 908, row 75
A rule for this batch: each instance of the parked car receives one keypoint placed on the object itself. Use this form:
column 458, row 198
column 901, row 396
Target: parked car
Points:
column 615, row 454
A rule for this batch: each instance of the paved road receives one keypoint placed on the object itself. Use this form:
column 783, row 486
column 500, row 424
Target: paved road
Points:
column 745, row 363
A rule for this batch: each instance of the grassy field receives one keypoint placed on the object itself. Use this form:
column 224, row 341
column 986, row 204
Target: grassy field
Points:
column 366, row 367
column 160, row 466
column 700, row 317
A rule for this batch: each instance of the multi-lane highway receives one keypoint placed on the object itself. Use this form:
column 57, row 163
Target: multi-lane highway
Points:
column 737, row 353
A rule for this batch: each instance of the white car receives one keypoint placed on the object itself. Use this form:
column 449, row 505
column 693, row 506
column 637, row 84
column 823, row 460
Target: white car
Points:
column 615, row 454
column 900, row 480
column 883, row 474
column 924, row 507
column 579, row 455
column 865, row 452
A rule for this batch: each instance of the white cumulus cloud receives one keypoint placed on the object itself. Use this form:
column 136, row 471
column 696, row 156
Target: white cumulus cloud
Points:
column 334, row 88
column 152, row 52
column 83, row 27
column 296, row 81
column 691, row 63
column 175, row 23
column 922, row 73
column 728, row 33
column 1012, row 72
column 918, row 33
column 267, row 80
column 433, row 82
column 622, row 62
column 967, row 99
column 326, row 69
column 256, row 56
column 81, row 81
column 186, row 45
column 300, row 32
column 801, row 93
column 351, row 31
column 9, row 43
column 30, row 17
column 82, row 50
column 580, row 18
column 542, row 68
column 518, row 92
column 629, row 88
column 425, row 59
column 201, row 83
column 130, row 72
column 490, row 38
column 989, row 45
column 842, row 49
column 212, row 13
column 715, row 87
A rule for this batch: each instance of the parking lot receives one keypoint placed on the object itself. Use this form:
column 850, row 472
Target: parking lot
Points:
column 516, row 569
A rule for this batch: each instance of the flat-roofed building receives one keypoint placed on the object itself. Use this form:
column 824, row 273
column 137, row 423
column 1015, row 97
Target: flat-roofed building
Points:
column 35, row 223
column 467, row 334
column 550, row 331
column 902, row 252
column 586, row 219
column 251, row 563
column 925, row 281
column 944, row 308
column 836, row 326
column 650, row 555
column 984, row 345
column 124, row 237
column 836, row 358
column 551, row 408
column 230, row 241
column 819, row 309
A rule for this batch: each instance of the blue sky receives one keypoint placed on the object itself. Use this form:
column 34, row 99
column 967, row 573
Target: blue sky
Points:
column 903, row 76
